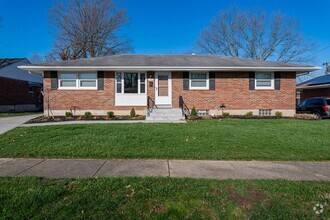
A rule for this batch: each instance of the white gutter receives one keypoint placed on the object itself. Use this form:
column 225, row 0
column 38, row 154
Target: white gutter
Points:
column 166, row 68
column 314, row 87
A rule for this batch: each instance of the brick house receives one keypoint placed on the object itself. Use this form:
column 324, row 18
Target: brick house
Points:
column 316, row 87
column 19, row 89
column 120, row 82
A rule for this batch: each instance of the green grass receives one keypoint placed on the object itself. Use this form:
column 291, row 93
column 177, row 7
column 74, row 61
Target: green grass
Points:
column 13, row 114
column 229, row 139
column 160, row 198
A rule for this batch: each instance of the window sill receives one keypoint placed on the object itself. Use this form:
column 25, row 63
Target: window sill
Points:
column 77, row 89
column 199, row 89
column 264, row 89
column 130, row 94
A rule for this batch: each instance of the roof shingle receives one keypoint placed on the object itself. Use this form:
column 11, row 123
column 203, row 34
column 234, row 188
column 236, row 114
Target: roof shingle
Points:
column 8, row 61
column 169, row 60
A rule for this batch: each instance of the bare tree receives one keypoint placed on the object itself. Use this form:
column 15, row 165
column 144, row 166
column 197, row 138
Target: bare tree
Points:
column 36, row 59
column 87, row 28
column 39, row 58
column 257, row 35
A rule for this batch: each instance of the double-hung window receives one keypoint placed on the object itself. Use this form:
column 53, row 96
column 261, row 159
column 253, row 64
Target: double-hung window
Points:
column 130, row 83
column 264, row 81
column 88, row 80
column 68, row 80
column 199, row 81
column 77, row 81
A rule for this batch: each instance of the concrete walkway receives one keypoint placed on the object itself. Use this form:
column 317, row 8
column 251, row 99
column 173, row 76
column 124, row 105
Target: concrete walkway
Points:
column 8, row 123
column 74, row 168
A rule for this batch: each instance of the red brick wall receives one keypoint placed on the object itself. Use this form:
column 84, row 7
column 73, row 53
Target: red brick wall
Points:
column 16, row 92
column 84, row 99
column 310, row 93
column 232, row 89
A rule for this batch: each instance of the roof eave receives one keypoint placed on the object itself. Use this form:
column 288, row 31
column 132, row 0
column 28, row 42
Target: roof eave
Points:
column 322, row 86
column 40, row 69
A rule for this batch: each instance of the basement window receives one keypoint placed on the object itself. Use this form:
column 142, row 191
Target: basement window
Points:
column 265, row 112
column 203, row 112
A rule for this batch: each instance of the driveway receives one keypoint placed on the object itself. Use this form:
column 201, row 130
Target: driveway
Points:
column 8, row 123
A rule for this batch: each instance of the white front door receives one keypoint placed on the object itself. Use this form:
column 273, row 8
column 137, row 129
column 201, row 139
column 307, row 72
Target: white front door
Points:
column 163, row 88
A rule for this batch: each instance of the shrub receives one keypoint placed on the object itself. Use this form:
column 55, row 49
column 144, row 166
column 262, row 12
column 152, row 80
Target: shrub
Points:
column 68, row 114
column 88, row 115
column 193, row 112
column 249, row 114
column 278, row 114
column 225, row 114
column 132, row 113
column 110, row 114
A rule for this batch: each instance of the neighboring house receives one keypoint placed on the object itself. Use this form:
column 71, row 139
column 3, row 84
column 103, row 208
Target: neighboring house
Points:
column 316, row 87
column 120, row 82
column 19, row 89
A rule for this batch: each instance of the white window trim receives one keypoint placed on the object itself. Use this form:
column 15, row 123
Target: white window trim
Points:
column 77, row 87
column 271, row 87
column 199, row 88
column 139, row 83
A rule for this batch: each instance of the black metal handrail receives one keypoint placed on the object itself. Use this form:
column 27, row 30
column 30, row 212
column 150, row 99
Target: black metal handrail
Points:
column 184, row 107
column 150, row 105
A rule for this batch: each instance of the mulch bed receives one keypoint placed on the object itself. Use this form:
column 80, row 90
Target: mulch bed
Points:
column 236, row 116
column 44, row 119
column 297, row 116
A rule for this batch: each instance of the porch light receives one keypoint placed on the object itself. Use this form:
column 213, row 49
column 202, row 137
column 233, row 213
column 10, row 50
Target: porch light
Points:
column 222, row 106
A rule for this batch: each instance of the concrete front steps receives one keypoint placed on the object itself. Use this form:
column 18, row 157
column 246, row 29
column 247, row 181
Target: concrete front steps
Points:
column 165, row 114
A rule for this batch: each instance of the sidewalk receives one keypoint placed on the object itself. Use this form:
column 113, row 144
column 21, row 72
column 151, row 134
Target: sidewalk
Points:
column 8, row 123
column 74, row 168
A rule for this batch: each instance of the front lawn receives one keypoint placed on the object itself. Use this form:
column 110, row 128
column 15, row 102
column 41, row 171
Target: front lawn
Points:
column 161, row 198
column 228, row 139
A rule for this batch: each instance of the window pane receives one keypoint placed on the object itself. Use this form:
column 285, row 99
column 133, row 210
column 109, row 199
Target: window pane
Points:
column 68, row 83
column 118, row 77
column 118, row 87
column 118, row 82
column 303, row 103
column 142, row 77
column 309, row 102
column 198, row 80
column 87, row 83
column 87, row 76
column 142, row 88
column 195, row 83
column 264, row 79
column 198, row 76
column 130, row 83
column 263, row 75
column 318, row 102
column 142, row 83
column 328, row 101
column 264, row 82
column 68, row 76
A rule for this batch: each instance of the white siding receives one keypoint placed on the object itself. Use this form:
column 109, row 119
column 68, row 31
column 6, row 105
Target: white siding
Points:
column 130, row 99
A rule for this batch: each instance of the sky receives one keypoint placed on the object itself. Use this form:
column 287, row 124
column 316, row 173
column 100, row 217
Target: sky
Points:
column 155, row 26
